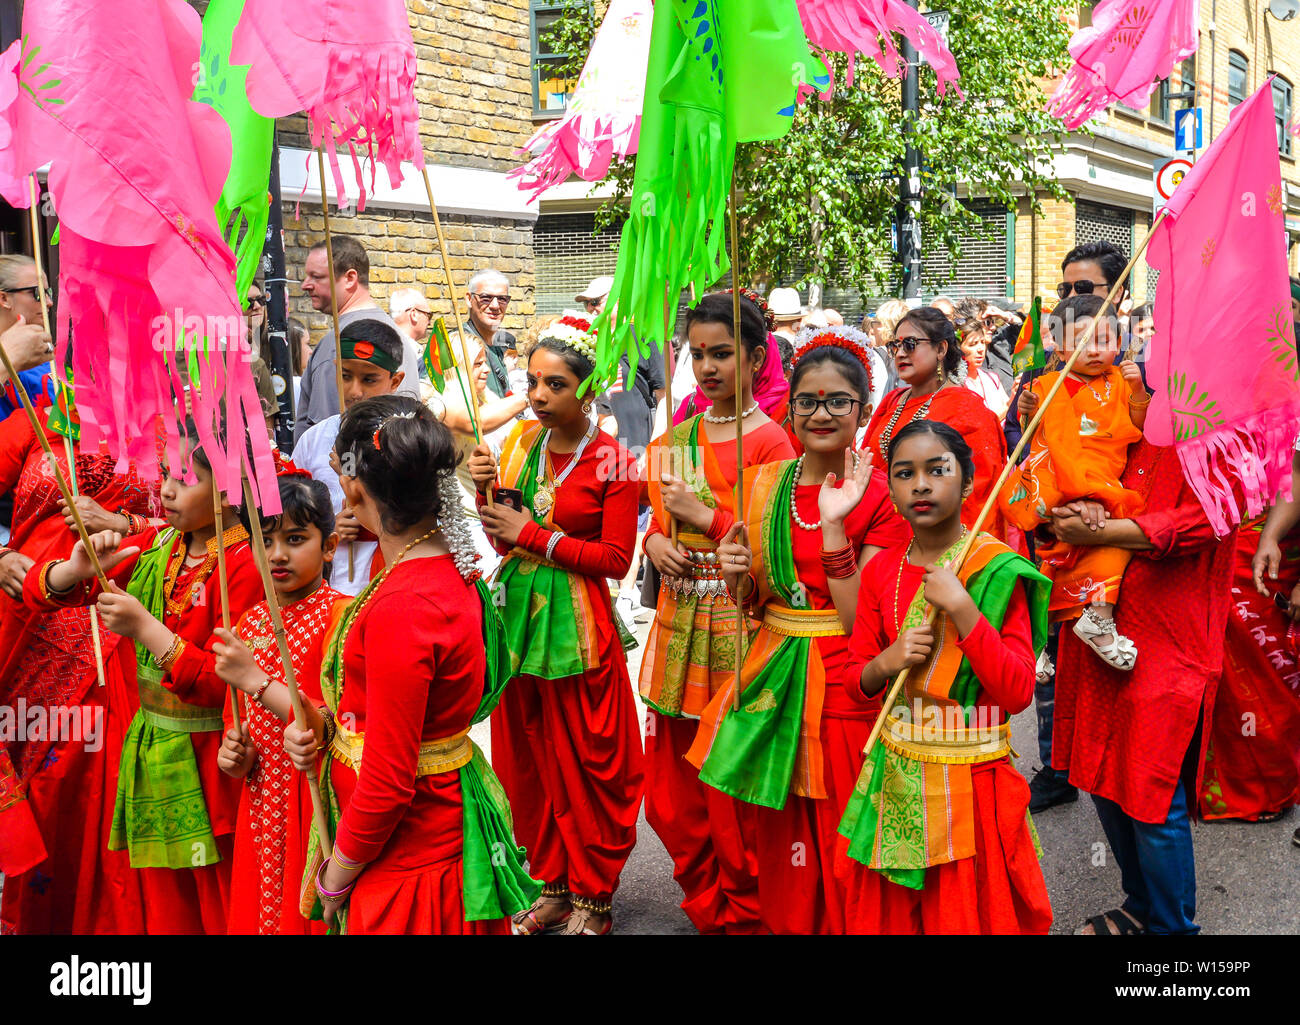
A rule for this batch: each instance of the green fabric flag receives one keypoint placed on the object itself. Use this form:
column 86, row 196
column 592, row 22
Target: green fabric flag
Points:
column 246, row 193
column 720, row 72
column 1028, row 353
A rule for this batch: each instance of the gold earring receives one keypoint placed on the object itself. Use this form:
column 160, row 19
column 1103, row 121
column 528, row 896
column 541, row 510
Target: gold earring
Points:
column 940, row 375
column 586, row 407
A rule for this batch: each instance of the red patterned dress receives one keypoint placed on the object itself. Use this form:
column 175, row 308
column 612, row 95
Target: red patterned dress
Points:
column 274, row 816
column 52, row 793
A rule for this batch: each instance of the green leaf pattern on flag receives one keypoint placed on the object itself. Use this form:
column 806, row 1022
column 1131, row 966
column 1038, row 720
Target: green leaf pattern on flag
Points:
column 1195, row 412
column 1281, row 341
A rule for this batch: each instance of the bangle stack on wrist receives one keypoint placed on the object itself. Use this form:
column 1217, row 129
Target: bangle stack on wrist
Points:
column 262, row 690
column 841, row 563
column 330, row 896
column 169, row 657
column 135, row 523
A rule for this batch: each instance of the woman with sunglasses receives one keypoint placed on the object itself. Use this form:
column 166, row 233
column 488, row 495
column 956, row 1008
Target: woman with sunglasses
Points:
column 793, row 748
column 933, row 370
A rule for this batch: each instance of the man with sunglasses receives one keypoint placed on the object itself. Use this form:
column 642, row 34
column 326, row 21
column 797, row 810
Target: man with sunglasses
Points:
column 1093, row 267
column 22, row 332
column 489, row 298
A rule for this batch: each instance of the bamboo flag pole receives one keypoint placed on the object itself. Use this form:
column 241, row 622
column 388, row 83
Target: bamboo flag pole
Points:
column 989, row 502
column 286, row 660
column 34, row 214
column 455, row 312
column 224, row 583
column 334, row 309
column 740, row 361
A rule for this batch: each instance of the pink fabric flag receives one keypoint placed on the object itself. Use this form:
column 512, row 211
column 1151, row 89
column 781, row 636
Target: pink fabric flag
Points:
column 1223, row 360
column 868, row 27
column 103, row 96
column 350, row 64
column 1129, row 47
column 603, row 120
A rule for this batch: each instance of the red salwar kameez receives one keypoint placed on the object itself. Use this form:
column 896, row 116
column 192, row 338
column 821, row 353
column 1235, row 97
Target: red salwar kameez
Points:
column 1252, row 762
column 1124, row 735
column 567, row 749
column 56, row 794
column 998, row 887
column 710, row 836
column 413, row 666
column 275, row 812
column 179, row 900
column 965, row 412
column 799, row 889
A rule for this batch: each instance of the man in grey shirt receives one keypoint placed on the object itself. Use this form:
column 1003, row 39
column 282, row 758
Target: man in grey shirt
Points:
column 318, row 397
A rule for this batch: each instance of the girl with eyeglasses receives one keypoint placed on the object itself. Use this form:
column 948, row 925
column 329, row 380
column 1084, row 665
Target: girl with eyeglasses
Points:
column 793, row 748
column 691, row 649
column 932, row 368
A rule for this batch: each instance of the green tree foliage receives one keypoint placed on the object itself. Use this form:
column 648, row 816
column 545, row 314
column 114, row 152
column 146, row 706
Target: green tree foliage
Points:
column 818, row 205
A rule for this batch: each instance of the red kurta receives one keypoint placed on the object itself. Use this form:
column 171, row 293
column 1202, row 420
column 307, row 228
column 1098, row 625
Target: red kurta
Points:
column 52, row 792
column 965, row 412
column 710, row 836
column 275, row 810
column 413, row 667
column 1001, row 889
column 1252, row 762
column 179, row 900
column 568, row 751
column 1124, row 736
column 799, row 890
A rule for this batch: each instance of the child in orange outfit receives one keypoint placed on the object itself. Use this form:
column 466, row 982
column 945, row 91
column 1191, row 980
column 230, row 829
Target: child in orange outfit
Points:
column 1077, row 455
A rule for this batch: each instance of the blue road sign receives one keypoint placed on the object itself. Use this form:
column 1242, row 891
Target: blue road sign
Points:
column 1187, row 130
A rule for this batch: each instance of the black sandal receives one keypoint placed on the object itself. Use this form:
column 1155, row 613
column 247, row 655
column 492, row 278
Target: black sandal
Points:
column 1106, row 924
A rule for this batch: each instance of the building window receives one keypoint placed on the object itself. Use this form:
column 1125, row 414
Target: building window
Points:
column 551, row 92
column 1238, row 78
column 1282, row 114
column 1161, row 98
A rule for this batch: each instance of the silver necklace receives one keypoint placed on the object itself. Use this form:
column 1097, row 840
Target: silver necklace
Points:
column 729, row 419
column 794, row 508
column 544, row 497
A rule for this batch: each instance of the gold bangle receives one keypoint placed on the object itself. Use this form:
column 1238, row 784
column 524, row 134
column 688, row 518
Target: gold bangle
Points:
column 331, row 729
column 172, row 654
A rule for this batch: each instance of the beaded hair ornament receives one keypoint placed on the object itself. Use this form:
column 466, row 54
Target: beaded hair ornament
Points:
column 573, row 331
column 769, row 318
column 851, row 340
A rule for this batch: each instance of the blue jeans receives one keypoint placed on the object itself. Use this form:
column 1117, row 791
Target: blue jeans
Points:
column 1044, row 703
column 1156, row 866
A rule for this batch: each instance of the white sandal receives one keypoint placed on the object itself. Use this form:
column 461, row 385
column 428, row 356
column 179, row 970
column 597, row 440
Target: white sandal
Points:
column 1120, row 653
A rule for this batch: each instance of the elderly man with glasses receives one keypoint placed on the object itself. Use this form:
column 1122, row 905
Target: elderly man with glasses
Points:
column 489, row 298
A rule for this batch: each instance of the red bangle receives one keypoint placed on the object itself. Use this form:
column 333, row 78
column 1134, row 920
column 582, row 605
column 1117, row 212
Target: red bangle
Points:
column 841, row 563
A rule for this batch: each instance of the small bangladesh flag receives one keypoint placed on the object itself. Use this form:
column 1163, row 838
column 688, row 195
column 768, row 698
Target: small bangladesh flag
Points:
column 63, row 418
column 438, row 358
column 1028, row 353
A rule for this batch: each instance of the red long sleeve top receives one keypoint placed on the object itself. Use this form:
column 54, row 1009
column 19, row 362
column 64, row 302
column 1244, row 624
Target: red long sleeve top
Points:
column 413, row 668
column 595, row 508
column 1003, row 661
column 193, row 677
column 767, row 444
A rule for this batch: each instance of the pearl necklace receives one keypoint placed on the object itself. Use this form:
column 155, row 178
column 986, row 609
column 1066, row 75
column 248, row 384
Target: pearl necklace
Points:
column 898, row 411
column 728, row 419
column 794, row 509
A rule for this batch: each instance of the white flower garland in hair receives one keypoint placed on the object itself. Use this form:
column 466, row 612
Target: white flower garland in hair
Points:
column 962, row 372
column 573, row 331
column 853, row 341
column 455, row 527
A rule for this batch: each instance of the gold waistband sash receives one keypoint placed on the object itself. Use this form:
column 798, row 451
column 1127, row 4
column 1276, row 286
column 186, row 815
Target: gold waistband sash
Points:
column 781, row 619
column 436, row 756
column 160, row 707
column 930, row 741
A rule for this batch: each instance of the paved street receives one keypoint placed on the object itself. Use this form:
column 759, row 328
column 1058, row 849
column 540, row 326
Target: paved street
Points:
column 1248, row 875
